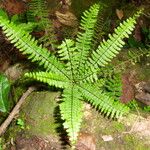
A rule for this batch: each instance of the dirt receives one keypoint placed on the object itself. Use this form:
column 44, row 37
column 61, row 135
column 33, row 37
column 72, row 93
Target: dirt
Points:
column 33, row 143
column 14, row 6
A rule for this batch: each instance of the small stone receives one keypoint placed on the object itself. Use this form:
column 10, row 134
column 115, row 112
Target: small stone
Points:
column 107, row 138
column 14, row 72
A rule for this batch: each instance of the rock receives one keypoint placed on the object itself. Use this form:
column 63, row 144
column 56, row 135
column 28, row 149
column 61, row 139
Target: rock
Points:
column 38, row 112
column 143, row 97
column 143, row 92
column 107, row 138
column 14, row 72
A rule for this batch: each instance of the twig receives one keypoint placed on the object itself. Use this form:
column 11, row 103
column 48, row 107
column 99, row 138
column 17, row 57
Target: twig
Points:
column 15, row 110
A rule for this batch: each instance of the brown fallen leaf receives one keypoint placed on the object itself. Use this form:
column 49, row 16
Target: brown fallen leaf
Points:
column 86, row 142
column 119, row 13
column 14, row 6
column 67, row 18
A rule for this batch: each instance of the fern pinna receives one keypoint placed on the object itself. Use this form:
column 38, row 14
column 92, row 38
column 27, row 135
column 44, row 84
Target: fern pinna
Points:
column 76, row 67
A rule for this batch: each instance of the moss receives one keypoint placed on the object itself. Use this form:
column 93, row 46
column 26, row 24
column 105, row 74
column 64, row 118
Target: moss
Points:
column 113, row 127
column 118, row 126
column 17, row 93
column 39, row 113
column 133, row 143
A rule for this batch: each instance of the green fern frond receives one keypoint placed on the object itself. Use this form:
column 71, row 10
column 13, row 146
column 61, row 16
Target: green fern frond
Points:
column 37, row 10
column 67, row 52
column 28, row 45
column 71, row 111
column 84, row 38
column 66, row 49
column 107, row 50
column 52, row 79
column 103, row 102
column 113, row 86
column 38, row 13
column 136, row 55
column 99, row 28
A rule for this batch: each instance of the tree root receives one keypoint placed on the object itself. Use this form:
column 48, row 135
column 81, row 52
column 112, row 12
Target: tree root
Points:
column 15, row 110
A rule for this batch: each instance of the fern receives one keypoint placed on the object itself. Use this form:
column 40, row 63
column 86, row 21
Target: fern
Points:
column 84, row 39
column 71, row 111
column 28, row 45
column 107, row 50
column 99, row 28
column 51, row 78
column 113, row 86
column 136, row 55
column 77, row 69
column 38, row 13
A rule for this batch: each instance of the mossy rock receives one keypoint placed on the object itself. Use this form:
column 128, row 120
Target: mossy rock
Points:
column 39, row 113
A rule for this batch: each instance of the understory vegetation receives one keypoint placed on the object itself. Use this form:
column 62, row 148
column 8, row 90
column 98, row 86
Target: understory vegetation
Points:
column 82, row 68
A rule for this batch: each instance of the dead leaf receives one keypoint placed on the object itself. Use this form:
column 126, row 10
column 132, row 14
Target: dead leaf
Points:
column 119, row 13
column 67, row 18
column 86, row 142
column 14, row 6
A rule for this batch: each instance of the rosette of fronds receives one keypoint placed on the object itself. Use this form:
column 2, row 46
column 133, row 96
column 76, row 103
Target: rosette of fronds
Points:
column 76, row 68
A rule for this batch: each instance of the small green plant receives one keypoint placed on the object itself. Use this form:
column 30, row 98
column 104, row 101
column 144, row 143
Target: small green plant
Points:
column 147, row 108
column 133, row 105
column 20, row 123
column 76, row 69
column 4, row 93
column 1, row 144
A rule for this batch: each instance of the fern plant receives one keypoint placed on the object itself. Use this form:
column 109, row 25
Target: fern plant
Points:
column 76, row 68
column 38, row 13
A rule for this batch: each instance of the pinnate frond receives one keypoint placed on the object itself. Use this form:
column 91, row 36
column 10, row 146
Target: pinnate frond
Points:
column 84, row 38
column 107, row 50
column 102, row 101
column 37, row 9
column 67, row 52
column 52, row 79
column 28, row 45
column 71, row 111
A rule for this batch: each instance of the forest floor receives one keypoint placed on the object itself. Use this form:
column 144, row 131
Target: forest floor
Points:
column 32, row 131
